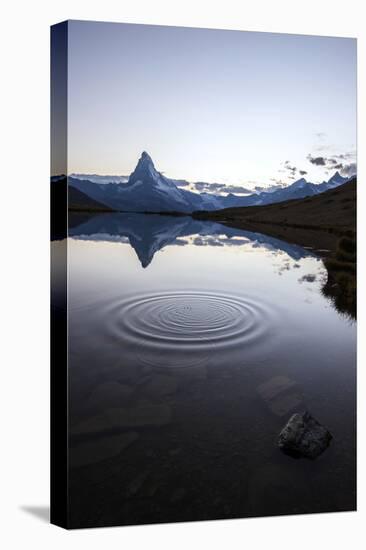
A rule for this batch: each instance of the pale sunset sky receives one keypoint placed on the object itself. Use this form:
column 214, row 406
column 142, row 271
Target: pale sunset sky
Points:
column 234, row 107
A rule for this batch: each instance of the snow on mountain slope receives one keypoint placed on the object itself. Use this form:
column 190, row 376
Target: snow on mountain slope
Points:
column 146, row 175
column 333, row 182
column 148, row 190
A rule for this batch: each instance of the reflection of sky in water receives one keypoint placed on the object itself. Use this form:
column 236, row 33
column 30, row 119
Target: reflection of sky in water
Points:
column 193, row 263
column 173, row 326
column 182, row 255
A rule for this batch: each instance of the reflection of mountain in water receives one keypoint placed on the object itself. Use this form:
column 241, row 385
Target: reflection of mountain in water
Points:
column 148, row 233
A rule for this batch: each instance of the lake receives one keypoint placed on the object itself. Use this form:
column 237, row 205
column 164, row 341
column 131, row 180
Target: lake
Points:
column 190, row 346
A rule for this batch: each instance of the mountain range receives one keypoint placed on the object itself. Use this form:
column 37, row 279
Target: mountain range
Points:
column 147, row 190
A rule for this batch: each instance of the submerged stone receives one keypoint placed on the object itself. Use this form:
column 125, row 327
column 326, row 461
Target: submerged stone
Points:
column 275, row 386
column 281, row 395
column 143, row 413
column 303, row 436
column 110, row 394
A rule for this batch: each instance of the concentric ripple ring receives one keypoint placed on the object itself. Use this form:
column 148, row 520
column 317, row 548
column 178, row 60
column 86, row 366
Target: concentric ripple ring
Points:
column 191, row 320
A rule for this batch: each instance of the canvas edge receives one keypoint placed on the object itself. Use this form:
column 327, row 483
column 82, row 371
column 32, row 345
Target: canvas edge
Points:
column 59, row 513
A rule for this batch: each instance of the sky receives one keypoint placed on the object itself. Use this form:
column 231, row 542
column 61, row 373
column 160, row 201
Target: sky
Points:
column 233, row 107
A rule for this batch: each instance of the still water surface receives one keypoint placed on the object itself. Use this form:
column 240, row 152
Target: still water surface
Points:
column 190, row 345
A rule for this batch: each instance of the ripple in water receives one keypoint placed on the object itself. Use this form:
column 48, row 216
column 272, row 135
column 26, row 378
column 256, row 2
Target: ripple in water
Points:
column 182, row 329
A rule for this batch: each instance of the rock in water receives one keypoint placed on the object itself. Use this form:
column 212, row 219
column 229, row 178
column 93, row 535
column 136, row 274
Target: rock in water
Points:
column 304, row 436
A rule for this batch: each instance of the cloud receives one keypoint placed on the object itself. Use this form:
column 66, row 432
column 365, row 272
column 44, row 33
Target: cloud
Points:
column 236, row 189
column 346, row 156
column 181, row 183
column 202, row 186
column 318, row 161
column 207, row 241
column 277, row 184
column 348, row 170
column 277, row 181
column 289, row 168
column 323, row 147
column 208, row 187
column 336, row 162
column 346, row 163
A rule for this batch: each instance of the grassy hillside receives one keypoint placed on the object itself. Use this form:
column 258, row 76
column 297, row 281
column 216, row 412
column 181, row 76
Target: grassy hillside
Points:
column 334, row 210
column 326, row 223
column 65, row 198
column 79, row 201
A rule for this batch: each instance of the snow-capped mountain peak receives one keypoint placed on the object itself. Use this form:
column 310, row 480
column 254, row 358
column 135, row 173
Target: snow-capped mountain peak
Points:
column 299, row 184
column 145, row 169
column 336, row 179
column 148, row 190
column 154, row 188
